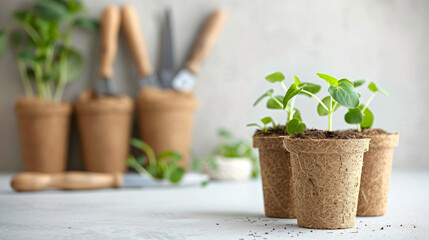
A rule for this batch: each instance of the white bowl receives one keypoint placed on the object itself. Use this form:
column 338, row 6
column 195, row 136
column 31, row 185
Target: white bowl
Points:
column 229, row 169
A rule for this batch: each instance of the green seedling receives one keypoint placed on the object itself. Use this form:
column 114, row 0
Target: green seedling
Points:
column 229, row 147
column 265, row 121
column 287, row 101
column 367, row 115
column 341, row 93
column 162, row 166
column 41, row 40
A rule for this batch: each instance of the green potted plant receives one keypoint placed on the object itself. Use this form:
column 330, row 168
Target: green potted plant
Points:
column 377, row 165
column 274, row 160
column 327, row 165
column 40, row 37
column 232, row 160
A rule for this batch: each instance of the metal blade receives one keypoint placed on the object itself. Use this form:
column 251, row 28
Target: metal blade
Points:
column 143, row 181
column 167, row 68
column 150, row 80
column 184, row 80
column 105, row 86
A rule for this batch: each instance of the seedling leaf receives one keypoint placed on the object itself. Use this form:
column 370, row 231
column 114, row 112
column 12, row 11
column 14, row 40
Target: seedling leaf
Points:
column 291, row 92
column 374, row 88
column 310, row 87
column 295, row 126
column 253, row 125
column 359, row 83
column 368, row 117
column 345, row 94
column 322, row 111
column 345, row 80
column 297, row 81
column 273, row 104
column 275, row 77
column 331, row 80
column 268, row 93
column 353, row 116
column 266, row 120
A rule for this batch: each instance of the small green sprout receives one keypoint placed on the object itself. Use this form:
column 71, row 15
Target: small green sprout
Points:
column 287, row 101
column 163, row 166
column 341, row 93
column 366, row 119
column 265, row 121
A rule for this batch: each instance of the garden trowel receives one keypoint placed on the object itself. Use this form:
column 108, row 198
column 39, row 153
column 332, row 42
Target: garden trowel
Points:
column 185, row 78
column 35, row 181
column 110, row 22
column 137, row 45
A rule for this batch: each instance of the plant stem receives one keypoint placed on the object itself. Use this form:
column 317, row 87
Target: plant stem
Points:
column 331, row 111
column 368, row 102
column 283, row 86
column 141, row 170
column 59, row 91
column 359, row 128
column 25, row 81
column 321, row 103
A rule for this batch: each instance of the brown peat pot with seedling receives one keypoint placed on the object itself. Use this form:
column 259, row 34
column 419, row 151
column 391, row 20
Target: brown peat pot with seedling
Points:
column 377, row 162
column 41, row 39
column 327, row 165
column 275, row 165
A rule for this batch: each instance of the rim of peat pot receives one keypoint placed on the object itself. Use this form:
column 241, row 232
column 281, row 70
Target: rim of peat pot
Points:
column 326, row 177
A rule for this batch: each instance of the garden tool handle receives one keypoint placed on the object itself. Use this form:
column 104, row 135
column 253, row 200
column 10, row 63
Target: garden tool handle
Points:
column 110, row 21
column 35, row 181
column 135, row 39
column 206, row 40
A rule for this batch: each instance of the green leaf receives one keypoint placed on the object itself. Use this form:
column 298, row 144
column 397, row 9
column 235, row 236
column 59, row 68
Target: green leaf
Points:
column 353, row 116
column 142, row 160
column 16, row 40
column 295, row 126
column 154, row 170
column 74, row 6
column 275, row 77
column 223, row 133
column 273, row 104
column 297, row 81
column 266, row 120
column 331, row 80
column 374, row 88
column 327, row 101
column 292, row 91
column 368, row 117
column 23, row 16
column 345, row 94
column 345, row 80
column 310, row 87
column 297, row 114
column 51, row 9
column 358, row 83
column 169, row 154
column 267, row 94
column 3, row 42
column 87, row 24
column 26, row 57
column 253, row 125
column 71, row 68
column 176, row 174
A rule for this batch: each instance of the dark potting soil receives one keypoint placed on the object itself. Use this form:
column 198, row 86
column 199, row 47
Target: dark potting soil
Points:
column 279, row 131
column 321, row 134
column 374, row 131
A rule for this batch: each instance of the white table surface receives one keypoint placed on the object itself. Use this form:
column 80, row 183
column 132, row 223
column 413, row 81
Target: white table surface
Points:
column 218, row 211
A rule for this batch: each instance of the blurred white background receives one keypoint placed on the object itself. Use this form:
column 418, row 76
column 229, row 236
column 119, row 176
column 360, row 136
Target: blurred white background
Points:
column 385, row 41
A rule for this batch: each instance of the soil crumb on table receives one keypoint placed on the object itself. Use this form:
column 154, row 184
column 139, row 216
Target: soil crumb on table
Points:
column 322, row 134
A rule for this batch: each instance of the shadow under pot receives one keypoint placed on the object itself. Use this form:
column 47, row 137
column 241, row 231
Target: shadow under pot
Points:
column 166, row 119
column 105, row 129
column 326, row 177
column 276, row 173
column 44, row 134
column 377, row 166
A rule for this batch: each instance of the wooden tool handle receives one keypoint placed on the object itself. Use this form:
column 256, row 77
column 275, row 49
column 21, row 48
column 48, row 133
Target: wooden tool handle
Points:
column 135, row 39
column 33, row 181
column 110, row 22
column 206, row 40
